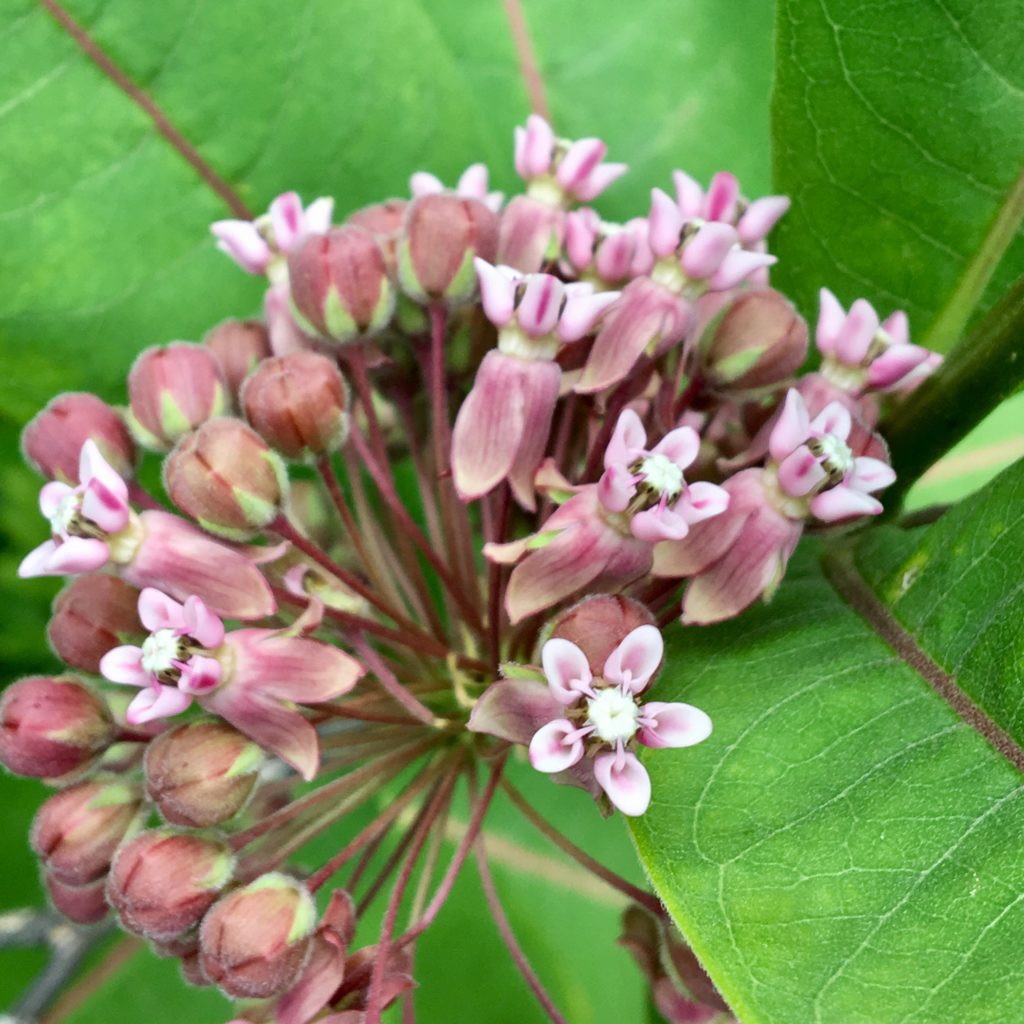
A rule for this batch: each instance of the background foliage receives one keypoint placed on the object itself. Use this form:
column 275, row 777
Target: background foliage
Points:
column 895, row 126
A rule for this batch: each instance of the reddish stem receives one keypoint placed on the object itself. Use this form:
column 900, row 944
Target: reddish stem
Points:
column 387, row 680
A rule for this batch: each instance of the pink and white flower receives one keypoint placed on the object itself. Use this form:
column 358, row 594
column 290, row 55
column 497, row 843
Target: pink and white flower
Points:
column 472, row 184
column 722, row 202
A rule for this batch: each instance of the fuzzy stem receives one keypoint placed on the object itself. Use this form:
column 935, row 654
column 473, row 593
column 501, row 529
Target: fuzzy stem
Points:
column 495, row 575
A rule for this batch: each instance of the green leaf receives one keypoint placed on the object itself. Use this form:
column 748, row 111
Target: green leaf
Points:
column 846, row 845
column 896, row 131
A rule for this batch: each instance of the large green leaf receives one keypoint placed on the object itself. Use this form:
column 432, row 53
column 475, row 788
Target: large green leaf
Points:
column 846, row 847
column 896, row 129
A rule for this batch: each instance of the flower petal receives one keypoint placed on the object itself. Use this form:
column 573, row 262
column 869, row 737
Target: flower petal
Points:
column 566, row 670
column 722, row 196
column 681, row 445
column 800, row 472
column 673, row 725
column 659, row 523
column 857, row 333
column 497, row 291
column 78, row 554
column 514, row 709
column 843, row 502
column 791, row 428
column 243, row 243
column 540, row 305
column 107, row 507
column 51, row 495
column 830, row 322
column 760, row 217
column 538, row 144
column 636, row 659
column 666, row 224
column 156, row 702
column 870, row 474
column 689, row 195
column 548, row 750
column 200, row 675
column 834, row 419
column 628, row 440
column 702, row 501
column 317, row 218
column 202, row 624
column 158, row 611
column 704, row 252
column 286, row 220
column 628, row 785
column 581, row 314
column 124, row 665
column 37, row 561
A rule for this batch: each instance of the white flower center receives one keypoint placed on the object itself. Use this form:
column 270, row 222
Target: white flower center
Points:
column 613, row 715
column 67, row 512
column 835, row 455
column 661, row 474
column 160, row 650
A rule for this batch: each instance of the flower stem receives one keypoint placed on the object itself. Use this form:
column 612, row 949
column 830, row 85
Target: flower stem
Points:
column 387, row 680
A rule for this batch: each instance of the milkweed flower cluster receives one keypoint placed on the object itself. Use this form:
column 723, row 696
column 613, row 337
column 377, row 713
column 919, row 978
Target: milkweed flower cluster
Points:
column 606, row 429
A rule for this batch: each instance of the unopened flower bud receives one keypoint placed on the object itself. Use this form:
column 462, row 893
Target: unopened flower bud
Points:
column 597, row 625
column 256, row 940
column 384, row 222
column 52, row 441
column 239, row 346
column 298, row 404
column 757, row 341
column 172, row 389
column 340, row 286
column 162, row 882
column 226, row 478
column 530, row 234
column 192, row 970
column 201, row 773
column 50, row 726
column 83, row 904
column 91, row 615
column 441, row 236
column 76, row 831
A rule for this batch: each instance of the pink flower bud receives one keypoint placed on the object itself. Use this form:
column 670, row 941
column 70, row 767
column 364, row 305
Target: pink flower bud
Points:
column 83, row 904
column 255, row 942
column 383, row 221
column 758, row 341
column 162, row 882
column 441, row 236
column 298, row 404
column 92, row 614
column 201, row 773
column 226, row 478
column 172, row 389
column 52, row 441
column 340, row 286
column 239, row 345
column 530, row 234
column 50, row 726
column 76, row 831
column 597, row 625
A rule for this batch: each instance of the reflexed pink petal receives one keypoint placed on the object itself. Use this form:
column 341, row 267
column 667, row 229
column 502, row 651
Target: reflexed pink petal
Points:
column 702, row 501
column 689, row 195
column 681, row 445
column 473, row 182
column 739, row 265
column 538, row 143
column 514, row 709
column 760, row 217
column 843, row 502
column 723, row 193
column 665, row 224
column 637, row 658
column 497, row 292
column 615, row 255
column 538, row 310
column 201, row 623
column 857, row 333
column 830, row 322
column 243, row 243
column 792, row 427
column 124, row 665
column 317, row 218
column 675, row 725
column 155, row 702
column 93, row 466
column 628, row 440
column 107, row 508
column 598, row 180
column 580, row 160
column 897, row 326
column 657, row 524
column 158, row 611
column 889, row 369
column 286, row 220
column 870, row 474
column 51, row 495
column 834, row 419
column 703, row 253
column 548, row 750
column 800, row 472
column 423, row 183
column 37, row 561
column 616, row 488
column 628, row 786
column 581, row 314
column 78, row 554
column 566, row 670
column 201, row 675
column 581, row 228
column 540, row 382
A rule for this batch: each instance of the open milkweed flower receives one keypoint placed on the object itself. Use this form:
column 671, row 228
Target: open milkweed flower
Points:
column 608, row 255
column 252, row 678
column 722, row 202
column 472, row 184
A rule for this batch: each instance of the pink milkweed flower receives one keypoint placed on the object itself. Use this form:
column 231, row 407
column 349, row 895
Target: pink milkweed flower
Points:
column 862, row 354
column 607, row 255
column 258, row 246
column 252, row 678
column 603, row 536
column 472, row 184
column 559, row 171
column 502, row 427
column 93, row 525
column 722, row 202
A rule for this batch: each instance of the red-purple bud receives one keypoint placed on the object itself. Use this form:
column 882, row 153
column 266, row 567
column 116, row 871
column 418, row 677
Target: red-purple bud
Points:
column 340, row 286
column 255, row 941
column 757, row 341
column 440, row 238
column 92, row 615
column 50, row 726
column 226, row 478
column 76, row 831
column 162, row 882
column 530, row 234
column 83, row 904
column 239, row 346
column 172, row 389
column 52, row 441
column 298, row 404
column 201, row 773
column 384, row 222
column 597, row 625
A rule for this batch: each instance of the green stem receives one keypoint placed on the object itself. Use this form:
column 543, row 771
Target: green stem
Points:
column 983, row 370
